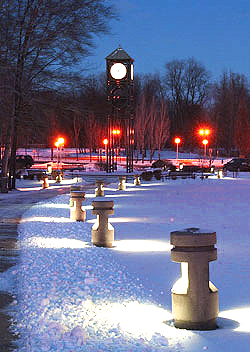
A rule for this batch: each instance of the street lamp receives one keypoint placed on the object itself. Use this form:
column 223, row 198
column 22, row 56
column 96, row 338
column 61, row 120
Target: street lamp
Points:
column 116, row 133
column 204, row 132
column 105, row 142
column 59, row 144
column 177, row 141
column 205, row 142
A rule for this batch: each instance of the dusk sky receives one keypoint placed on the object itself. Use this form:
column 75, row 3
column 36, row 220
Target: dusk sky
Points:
column 214, row 32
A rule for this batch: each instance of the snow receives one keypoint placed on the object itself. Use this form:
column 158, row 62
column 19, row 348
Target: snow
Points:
column 72, row 296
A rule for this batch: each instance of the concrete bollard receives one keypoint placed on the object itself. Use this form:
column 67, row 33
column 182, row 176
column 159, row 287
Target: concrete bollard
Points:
column 194, row 298
column 137, row 181
column 72, row 189
column 76, row 211
column 59, row 178
column 121, row 184
column 102, row 230
column 220, row 174
column 45, row 182
column 50, row 168
column 99, row 191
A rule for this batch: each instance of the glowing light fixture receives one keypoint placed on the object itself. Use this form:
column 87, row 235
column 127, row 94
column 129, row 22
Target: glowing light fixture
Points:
column 177, row 141
column 204, row 132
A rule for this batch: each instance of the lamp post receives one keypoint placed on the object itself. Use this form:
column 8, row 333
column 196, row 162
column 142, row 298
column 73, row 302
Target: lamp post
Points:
column 204, row 132
column 59, row 144
column 205, row 143
column 116, row 134
column 105, row 142
column 177, row 141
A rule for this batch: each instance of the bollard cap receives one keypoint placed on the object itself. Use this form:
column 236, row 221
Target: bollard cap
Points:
column 75, row 188
column 77, row 193
column 193, row 237
column 102, row 203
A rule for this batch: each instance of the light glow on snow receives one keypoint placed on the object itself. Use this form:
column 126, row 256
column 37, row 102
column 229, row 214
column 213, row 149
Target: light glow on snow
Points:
column 46, row 219
column 122, row 220
column 117, row 195
column 29, row 188
column 142, row 246
column 89, row 195
column 239, row 315
column 55, row 205
column 52, row 242
column 140, row 320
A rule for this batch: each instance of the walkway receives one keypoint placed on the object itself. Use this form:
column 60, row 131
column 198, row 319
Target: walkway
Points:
column 12, row 206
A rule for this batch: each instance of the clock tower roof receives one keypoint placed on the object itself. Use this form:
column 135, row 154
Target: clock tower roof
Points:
column 119, row 54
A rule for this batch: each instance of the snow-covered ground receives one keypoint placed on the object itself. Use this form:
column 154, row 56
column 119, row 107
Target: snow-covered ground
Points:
column 72, row 296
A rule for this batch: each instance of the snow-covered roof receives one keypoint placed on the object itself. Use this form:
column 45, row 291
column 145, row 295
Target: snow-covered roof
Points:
column 119, row 54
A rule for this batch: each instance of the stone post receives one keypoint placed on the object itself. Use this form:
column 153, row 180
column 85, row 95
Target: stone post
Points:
column 45, row 182
column 99, row 191
column 121, row 184
column 76, row 211
column 59, row 178
column 72, row 189
column 137, row 181
column 102, row 230
column 220, row 174
column 194, row 298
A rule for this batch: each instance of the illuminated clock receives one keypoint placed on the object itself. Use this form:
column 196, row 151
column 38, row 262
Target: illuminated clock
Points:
column 118, row 70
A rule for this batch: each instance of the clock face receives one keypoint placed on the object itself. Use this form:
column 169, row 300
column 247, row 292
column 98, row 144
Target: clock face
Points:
column 118, row 71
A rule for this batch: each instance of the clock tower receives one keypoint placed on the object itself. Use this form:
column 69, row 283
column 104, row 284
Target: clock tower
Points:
column 120, row 79
column 120, row 84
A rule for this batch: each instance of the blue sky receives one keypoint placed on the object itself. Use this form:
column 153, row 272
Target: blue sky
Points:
column 153, row 32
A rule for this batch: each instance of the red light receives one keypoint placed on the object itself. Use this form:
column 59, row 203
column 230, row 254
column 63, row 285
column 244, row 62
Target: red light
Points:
column 205, row 141
column 105, row 141
column 177, row 140
column 59, row 142
column 204, row 131
column 116, row 132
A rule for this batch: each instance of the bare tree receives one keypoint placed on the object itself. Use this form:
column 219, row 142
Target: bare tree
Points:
column 242, row 128
column 39, row 41
column 162, row 130
column 227, row 94
column 141, row 122
column 186, row 83
column 151, row 127
column 90, row 126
